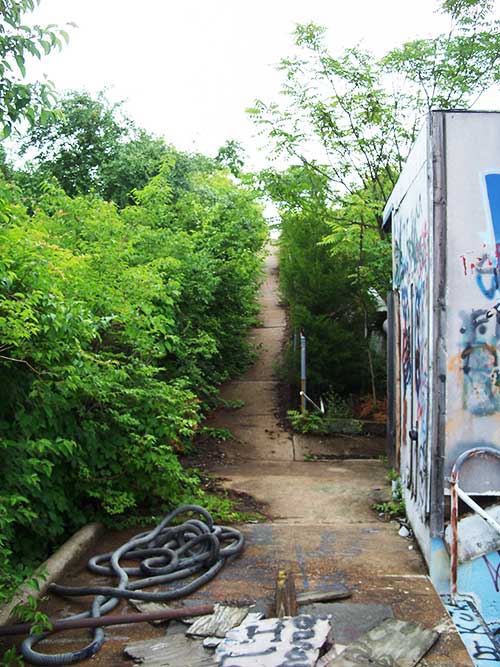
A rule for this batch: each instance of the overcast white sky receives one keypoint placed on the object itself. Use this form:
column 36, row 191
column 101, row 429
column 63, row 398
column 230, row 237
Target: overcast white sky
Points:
column 188, row 69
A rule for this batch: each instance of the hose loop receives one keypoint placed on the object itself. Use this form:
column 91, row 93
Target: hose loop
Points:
column 195, row 550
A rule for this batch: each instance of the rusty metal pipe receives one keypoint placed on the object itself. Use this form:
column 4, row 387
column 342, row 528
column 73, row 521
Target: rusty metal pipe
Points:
column 303, row 373
column 454, row 534
column 117, row 619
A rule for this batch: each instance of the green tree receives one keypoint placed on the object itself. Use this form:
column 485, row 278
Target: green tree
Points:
column 20, row 100
column 231, row 155
column 90, row 146
column 350, row 120
column 321, row 293
column 74, row 145
column 454, row 69
column 353, row 118
column 135, row 162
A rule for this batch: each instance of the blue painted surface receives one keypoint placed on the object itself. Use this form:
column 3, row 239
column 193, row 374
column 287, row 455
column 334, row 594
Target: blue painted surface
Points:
column 476, row 613
column 479, row 579
column 475, row 633
column 493, row 191
column 488, row 270
column 439, row 566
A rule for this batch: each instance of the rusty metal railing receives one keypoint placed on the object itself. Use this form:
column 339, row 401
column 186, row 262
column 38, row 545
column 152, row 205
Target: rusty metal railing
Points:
column 456, row 492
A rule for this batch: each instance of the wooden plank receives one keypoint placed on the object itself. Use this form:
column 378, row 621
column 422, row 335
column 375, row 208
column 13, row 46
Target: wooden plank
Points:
column 285, row 596
column 217, row 624
column 393, row 642
column 311, row 597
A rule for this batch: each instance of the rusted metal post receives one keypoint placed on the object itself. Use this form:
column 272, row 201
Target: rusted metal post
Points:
column 303, row 373
column 454, row 534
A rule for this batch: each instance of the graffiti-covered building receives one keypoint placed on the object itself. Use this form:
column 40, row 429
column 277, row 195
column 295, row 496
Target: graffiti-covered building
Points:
column 444, row 351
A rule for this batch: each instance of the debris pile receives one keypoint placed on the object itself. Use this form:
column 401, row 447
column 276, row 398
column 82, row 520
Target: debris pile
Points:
column 240, row 636
column 305, row 629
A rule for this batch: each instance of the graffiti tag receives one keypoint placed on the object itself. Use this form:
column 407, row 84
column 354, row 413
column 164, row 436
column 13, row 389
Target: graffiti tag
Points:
column 277, row 642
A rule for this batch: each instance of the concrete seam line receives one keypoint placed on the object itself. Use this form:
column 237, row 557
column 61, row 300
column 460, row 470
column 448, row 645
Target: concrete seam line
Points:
column 55, row 565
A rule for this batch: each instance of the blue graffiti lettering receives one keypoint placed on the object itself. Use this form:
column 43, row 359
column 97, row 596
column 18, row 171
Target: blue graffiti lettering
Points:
column 488, row 270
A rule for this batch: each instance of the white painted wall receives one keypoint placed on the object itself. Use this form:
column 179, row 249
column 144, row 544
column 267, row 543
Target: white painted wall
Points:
column 473, row 289
column 412, row 278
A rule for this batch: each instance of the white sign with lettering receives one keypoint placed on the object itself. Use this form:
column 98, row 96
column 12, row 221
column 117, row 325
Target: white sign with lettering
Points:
column 275, row 642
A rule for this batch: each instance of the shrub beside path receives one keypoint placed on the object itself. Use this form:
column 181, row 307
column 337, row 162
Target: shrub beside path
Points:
column 322, row 527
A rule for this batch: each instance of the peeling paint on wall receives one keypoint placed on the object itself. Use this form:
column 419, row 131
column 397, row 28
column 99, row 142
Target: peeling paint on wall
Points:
column 480, row 355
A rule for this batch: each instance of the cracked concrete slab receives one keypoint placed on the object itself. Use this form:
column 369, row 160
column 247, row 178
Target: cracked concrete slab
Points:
column 268, row 357
column 325, row 447
column 315, row 492
column 273, row 317
column 258, row 396
column 256, row 437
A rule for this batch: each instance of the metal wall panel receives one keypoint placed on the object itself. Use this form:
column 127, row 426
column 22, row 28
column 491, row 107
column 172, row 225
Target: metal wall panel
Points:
column 473, row 291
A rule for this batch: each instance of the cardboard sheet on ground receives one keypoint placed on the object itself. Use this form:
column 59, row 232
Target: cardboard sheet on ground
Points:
column 174, row 651
column 351, row 620
column 274, row 642
column 395, row 643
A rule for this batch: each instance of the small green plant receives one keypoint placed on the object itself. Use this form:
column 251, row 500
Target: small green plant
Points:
column 11, row 659
column 222, row 508
column 307, row 422
column 395, row 507
column 391, row 508
column 337, row 407
column 231, row 405
column 217, row 433
column 314, row 422
column 27, row 610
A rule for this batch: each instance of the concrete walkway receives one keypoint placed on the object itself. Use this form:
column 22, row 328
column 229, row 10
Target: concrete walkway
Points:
column 323, row 526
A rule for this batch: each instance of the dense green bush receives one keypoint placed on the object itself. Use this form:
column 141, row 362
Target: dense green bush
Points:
column 115, row 329
column 327, row 295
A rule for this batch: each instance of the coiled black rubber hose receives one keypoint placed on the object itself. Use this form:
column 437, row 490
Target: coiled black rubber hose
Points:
column 195, row 550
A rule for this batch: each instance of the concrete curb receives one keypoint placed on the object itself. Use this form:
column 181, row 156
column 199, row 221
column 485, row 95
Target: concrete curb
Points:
column 55, row 565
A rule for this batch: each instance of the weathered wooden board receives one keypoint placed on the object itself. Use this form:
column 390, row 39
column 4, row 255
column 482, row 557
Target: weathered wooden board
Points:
column 475, row 537
column 392, row 643
column 274, row 642
column 219, row 623
column 310, row 597
column 285, row 596
column 213, row 642
column 174, row 651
